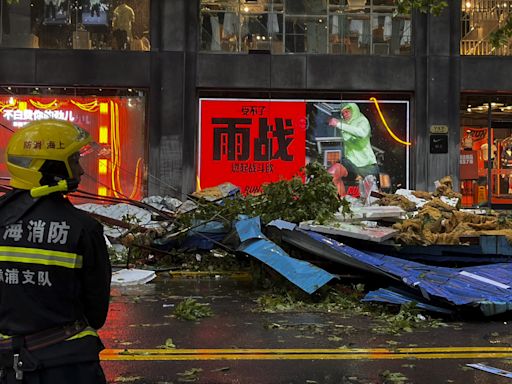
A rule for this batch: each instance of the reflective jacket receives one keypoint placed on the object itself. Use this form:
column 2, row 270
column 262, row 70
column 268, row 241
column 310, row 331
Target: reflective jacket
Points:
column 54, row 265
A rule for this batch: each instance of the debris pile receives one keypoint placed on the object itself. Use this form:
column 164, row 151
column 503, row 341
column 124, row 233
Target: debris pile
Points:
column 438, row 220
column 218, row 228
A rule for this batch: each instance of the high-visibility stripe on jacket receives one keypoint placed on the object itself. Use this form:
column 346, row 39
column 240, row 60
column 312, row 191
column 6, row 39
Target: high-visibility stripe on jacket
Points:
column 40, row 256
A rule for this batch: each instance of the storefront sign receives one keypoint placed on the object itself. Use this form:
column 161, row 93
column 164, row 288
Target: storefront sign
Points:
column 438, row 143
column 468, row 165
column 252, row 142
column 438, row 128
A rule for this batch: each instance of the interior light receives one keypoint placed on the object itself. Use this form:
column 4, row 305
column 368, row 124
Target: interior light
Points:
column 468, row 4
column 102, row 191
column 246, row 9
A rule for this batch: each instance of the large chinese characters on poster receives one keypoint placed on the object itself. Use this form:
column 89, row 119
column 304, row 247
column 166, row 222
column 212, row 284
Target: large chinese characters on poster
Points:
column 248, row 143
column 252, row 142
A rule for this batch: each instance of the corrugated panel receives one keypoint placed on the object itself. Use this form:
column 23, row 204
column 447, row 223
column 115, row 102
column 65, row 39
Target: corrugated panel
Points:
column 484, row 286
column 305, row 275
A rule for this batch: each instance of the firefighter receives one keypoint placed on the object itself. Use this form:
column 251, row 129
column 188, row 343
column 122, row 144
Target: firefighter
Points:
column 54, row 266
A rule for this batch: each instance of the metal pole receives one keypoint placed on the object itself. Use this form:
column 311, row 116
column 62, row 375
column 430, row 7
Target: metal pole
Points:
column 489, row 152
column 2, row 20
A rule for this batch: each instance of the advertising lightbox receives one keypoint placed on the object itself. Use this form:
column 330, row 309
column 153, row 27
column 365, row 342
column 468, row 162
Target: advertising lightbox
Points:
column 116, row 123
column 249, row 142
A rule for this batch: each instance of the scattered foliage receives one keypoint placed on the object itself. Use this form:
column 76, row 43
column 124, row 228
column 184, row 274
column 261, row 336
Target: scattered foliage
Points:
column 291, row 200
column 389, row 377
column 190, row 309
column 434, row 7
column 406, row 320
column 346, row 300
column 129, row 379
column 190, row 375
column 169, row 344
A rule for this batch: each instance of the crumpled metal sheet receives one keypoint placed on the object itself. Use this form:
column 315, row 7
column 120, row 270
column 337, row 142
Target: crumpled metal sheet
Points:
column 305, row 275
column 486, row 287
column 392, row 296
column 120, row 211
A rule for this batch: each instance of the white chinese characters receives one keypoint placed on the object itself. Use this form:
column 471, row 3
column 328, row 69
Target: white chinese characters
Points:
column 38, row 231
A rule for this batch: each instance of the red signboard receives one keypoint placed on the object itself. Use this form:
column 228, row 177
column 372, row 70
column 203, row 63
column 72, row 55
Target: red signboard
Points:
column 116, row 123
column 249, row 143
column 468, row 165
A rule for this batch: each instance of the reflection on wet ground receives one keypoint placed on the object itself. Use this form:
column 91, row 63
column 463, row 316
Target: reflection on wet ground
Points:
column 240, row 344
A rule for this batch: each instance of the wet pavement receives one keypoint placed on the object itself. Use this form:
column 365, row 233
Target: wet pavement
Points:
column 146, row 343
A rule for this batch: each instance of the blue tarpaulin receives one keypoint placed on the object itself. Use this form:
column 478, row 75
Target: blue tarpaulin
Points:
column 305, row 275
column 486, row 287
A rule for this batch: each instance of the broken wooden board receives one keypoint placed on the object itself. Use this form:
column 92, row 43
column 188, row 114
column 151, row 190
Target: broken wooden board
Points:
column 376, row 234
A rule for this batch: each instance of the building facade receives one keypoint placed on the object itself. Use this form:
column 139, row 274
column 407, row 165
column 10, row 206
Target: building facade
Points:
column 176, row 64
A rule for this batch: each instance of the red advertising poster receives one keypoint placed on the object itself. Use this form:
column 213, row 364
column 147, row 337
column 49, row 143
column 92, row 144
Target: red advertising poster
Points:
column 251, row 142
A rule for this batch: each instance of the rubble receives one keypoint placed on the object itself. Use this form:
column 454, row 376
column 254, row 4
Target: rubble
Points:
column 175, row 235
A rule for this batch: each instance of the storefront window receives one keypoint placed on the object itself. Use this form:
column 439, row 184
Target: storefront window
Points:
column 486, row 150
column 310, row 26
column 75, row 24
column 479, row 19
column 249, row 142
column 116, row 120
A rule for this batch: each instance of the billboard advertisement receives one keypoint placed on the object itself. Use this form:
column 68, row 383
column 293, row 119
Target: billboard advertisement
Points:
column 249, row 142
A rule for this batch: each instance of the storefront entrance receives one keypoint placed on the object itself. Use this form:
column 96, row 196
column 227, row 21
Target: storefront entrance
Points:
column 486, row 150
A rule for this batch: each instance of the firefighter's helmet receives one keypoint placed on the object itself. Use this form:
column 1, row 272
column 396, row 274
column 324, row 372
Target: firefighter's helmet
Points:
column 40, row 142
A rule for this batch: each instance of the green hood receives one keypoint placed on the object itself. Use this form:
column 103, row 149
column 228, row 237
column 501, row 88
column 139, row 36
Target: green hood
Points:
column 354, row 108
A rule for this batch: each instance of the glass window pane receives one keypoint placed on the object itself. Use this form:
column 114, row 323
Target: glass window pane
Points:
column 306, row 7
column 308, row 26
column 76, row 24
column 306, row 34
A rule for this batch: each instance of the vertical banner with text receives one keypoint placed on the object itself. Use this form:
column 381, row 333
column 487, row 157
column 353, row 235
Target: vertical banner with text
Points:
column 250, row 142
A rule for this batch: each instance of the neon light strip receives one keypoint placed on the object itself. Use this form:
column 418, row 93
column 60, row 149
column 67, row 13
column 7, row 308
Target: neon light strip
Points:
column 51, row 105
column 386, row 124
column 116, row 157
